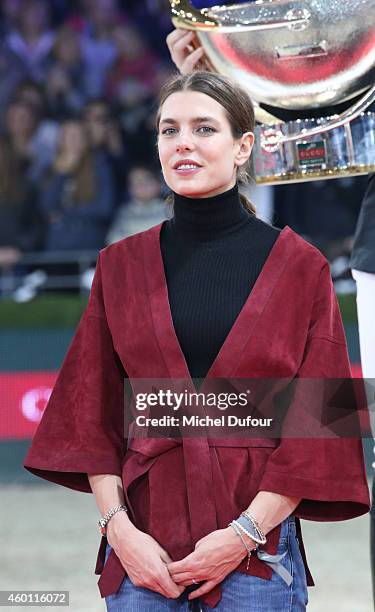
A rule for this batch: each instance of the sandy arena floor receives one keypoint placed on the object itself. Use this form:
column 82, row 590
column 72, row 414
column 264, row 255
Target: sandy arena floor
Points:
column 49, row 540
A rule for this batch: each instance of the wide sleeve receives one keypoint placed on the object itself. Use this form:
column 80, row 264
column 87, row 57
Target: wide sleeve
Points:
column 327, row 473
column 82, row 427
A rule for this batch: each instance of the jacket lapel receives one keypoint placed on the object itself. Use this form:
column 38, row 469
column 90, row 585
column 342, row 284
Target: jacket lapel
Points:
column 160, row 307
column 244, row 326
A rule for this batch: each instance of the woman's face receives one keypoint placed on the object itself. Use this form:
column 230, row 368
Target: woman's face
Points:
column 97, row 120
column 194, row 129
column 20, row 120
column 72, row 138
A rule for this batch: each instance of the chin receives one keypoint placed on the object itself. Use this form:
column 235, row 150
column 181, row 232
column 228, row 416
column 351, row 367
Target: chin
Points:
column 192, row 189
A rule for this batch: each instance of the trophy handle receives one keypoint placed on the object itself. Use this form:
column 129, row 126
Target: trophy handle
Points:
column 230, row 19
column 186, row 16
column 346, row 117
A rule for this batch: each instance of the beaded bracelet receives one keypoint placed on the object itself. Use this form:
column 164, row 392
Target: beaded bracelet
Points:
column 254, row 522
column 238, row 532
column 244, row 530
column 247, row 527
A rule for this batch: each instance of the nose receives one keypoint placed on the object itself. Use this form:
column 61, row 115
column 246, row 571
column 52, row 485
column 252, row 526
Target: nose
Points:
column 184, row 142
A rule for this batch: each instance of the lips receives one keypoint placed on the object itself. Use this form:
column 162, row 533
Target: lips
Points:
column 186, row 162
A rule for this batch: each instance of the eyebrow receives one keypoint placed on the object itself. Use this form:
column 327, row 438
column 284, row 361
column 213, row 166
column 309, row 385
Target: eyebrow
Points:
column 171, row 121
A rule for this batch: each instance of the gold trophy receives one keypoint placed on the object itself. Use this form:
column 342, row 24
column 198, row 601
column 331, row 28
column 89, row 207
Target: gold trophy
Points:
column 312, row 62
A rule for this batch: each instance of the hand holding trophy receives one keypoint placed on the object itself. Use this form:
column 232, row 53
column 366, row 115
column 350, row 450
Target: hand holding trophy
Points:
column 311, row 63
column 186, row 51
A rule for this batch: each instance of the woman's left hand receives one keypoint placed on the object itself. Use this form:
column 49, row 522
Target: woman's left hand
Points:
column 214, row 557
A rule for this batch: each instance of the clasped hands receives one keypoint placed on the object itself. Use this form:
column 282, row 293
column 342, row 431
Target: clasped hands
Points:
column 214, row 557
column 148, row 565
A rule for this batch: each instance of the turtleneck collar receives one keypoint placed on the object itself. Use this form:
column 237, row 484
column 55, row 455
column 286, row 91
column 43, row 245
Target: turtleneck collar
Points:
column 209, row 217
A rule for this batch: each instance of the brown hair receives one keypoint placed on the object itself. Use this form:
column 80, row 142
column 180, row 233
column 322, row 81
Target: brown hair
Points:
column 235, row 101
column 85, row 179
column 83, row 175
column 12, row 181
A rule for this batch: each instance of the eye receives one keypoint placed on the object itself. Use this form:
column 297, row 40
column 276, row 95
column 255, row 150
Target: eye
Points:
column 206, row 129
column 168, row 131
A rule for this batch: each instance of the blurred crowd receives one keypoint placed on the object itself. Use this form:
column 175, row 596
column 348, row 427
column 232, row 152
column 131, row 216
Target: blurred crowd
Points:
column 77, row 103
column 78, row 163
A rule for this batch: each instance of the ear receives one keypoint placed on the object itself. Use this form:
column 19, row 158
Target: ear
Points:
column 245, row 145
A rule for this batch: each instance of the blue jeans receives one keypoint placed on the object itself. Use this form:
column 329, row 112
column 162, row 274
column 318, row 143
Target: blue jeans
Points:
column 240, row 592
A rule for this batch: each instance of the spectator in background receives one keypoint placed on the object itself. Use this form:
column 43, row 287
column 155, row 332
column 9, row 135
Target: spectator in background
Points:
column 153, row 19
column 43, row 139
column 10, row 14
column 105, row 136
column 21, row 224
column 98, row 47
column 134, row 60
column 20, row 122
column 12, row 71
column 136, row 108
column 145, row 208
column 78, row 199
column 65, row 82
column 32, row 40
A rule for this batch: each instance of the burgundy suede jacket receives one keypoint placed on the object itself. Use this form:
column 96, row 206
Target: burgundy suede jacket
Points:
column 180, row 490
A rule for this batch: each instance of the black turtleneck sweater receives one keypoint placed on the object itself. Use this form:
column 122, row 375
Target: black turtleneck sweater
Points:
column 213, row 251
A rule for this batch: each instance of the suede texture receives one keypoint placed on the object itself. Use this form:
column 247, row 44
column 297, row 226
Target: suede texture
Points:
column 180, row 490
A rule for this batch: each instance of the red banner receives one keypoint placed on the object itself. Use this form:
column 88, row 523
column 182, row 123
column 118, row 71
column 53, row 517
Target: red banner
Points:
column 23, row 398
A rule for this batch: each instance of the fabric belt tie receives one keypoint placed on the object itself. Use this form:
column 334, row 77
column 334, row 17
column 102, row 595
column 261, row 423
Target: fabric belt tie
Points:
column 274, row 562
column 199, row 484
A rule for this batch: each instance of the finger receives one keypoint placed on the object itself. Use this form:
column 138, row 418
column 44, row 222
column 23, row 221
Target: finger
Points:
column 181, row 47
column 153, row 583
column 204, row 64
column 169, row 594
column 187, row 583
column 176, row 34
column 157, row 583
column 205, row 588
column 180, row 42
column 192, row 60
column 165, row 557
column 183, row 577
column 184, row 565
column 170, row 587
column 172, row 592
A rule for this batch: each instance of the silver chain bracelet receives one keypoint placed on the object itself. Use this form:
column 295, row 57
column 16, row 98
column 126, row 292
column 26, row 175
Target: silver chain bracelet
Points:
column 105, row 519
column 238, row 532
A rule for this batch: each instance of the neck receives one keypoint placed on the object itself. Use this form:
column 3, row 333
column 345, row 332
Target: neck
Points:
column 212, row 216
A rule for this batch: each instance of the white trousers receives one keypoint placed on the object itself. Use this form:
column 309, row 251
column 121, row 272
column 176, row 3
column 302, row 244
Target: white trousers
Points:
column 366, row 325
column 366, row 320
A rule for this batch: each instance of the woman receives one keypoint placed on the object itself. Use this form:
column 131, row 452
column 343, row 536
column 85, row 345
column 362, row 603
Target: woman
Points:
column 21, row 224
column 105, row 137
column 78, row 198
column 181, row 311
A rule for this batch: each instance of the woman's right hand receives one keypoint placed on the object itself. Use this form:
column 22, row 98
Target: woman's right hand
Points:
column 181, row 44
column 144, row 560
